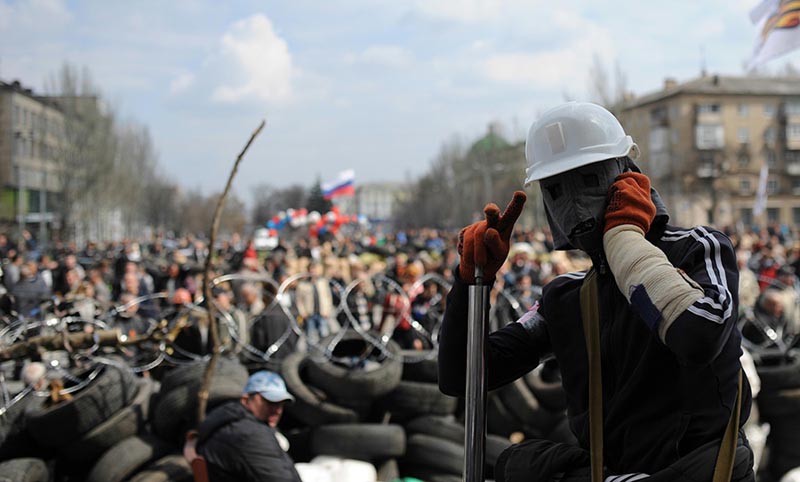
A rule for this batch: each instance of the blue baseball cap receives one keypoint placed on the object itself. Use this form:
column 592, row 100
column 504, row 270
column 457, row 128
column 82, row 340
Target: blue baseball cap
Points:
column 269, row 385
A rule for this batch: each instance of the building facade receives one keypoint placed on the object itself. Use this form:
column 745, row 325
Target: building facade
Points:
column 705, row 141
column 31, row 130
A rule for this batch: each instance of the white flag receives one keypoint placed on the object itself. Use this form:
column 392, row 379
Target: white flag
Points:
column 779, row 29
column 761, row 195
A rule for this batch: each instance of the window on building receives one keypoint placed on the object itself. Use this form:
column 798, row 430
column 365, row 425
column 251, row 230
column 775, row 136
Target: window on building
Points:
column 745, row 186
column 793, row 108
column 709, row 136
column 772, row 186
column 746, row 216
column 708, row 109
column 658, row 116
column 791, row 156
column 796, row 186
column 771, row 158
column 15, row 120
column 676, row 135
column 743, row 134
column 742, row 109
column 773, row 215
column 793, row 132
column 743, row 160
column 769, row 110
column 796, row 216
column 770, row 136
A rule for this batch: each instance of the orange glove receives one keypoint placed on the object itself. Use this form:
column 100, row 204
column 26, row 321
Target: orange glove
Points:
column 629, row 202
column 486, row 242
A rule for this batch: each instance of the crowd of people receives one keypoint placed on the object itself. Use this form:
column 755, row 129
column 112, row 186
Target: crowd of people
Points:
column 164, row 272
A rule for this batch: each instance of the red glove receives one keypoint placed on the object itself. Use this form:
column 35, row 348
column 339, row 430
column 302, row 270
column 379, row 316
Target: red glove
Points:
column 629, row 202
column 486, row 242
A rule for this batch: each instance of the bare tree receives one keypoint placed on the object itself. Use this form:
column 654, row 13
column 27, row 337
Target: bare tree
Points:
column 84, row 159
column 607, row 87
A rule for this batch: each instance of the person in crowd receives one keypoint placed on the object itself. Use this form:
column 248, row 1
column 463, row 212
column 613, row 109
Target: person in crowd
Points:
column 665, row 315
column 239, row 439
column 787, row 284
column 748, row 282
column 396, row 317
column 130, row 320
column 250, row 303
column 273, row 324
column 11, row 270
column 31, row 291
column 232, row 315
column 102, row 293
column 314, row 301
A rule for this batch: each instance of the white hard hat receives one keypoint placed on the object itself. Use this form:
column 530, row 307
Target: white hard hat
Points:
column 573, row 135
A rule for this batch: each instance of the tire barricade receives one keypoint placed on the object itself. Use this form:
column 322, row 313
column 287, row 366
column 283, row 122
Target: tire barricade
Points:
column 359, row 395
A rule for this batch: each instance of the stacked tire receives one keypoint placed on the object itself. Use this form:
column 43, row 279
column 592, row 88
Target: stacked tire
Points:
column 779, row 405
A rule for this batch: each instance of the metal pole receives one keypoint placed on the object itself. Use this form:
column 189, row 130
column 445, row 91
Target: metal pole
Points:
column 20, row 207
column 474, row 439
column 43, row 211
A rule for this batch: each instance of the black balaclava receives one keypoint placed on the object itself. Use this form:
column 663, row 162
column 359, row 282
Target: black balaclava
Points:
column 575, row 204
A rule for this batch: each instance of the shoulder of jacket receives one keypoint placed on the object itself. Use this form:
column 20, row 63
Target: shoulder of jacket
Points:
column 563, row 283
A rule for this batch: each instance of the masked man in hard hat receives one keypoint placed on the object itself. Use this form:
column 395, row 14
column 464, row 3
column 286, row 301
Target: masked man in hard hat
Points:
column 666, row 309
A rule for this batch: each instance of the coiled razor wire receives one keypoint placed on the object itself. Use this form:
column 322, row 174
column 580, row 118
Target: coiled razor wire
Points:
column 166, row 351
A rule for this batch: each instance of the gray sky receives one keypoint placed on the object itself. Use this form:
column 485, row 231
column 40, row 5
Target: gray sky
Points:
column 374, row 86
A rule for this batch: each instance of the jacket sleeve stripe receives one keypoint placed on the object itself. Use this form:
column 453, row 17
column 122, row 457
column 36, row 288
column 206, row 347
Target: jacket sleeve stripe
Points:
column 719, row 308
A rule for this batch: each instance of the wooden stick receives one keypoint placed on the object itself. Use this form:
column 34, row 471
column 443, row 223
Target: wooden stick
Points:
column 202, row 395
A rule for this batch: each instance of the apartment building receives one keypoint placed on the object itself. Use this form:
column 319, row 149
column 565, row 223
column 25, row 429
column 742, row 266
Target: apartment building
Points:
column 31, row 129
column 704, row 142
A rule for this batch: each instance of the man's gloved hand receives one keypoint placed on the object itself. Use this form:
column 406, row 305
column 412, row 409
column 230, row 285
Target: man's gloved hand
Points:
column 629, row 202
column 486, row 242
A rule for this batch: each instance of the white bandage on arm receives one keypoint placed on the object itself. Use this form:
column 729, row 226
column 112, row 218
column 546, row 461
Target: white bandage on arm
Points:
column 638, row 264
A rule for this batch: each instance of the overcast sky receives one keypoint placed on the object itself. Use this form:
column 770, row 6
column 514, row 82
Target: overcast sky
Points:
column 372, row 85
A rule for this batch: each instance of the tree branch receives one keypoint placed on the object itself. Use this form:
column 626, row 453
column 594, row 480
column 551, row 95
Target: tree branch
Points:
column 202, row 395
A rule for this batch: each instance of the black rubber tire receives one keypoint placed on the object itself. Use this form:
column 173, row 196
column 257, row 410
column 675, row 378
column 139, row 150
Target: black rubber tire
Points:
column 413, row 399
column 499, row 420
column 778, row 371
column 524, row 406
column 191, row 375
column 442, row 426
column 549, row 393
column 15, row 440
column 776, row 406
column 172, row 468
column 424, row 370
column 90, row 447
column 24, row 470
column 365, row 441
column 125, row 423
column 344, row 384
column 125, row 458
column 308, row 407
column 175, row 411
column 67, row 422
column 443, row 456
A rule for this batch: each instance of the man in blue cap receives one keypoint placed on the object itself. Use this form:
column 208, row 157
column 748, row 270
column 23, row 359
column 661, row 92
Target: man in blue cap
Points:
column 238, row 439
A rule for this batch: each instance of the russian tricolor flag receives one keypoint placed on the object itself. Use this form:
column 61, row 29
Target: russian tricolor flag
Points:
column 341, row 187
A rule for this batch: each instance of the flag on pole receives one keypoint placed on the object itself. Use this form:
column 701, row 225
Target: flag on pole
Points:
column 779, row 22
column 343, row 186
column 761, row 195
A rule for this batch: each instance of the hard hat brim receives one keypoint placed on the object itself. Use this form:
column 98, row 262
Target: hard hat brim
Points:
column 540, row 170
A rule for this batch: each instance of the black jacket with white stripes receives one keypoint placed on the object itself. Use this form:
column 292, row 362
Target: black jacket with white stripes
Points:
column 660, row 400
